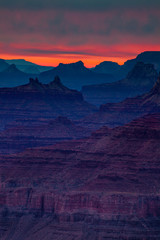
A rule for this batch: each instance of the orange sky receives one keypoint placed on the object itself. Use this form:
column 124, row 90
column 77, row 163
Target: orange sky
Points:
column 54, row 34
column 54, row 61
column 90, row 60
column 47, row 55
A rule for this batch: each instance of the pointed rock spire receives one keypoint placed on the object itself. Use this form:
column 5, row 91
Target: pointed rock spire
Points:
column 35, row 84
column 57, row 84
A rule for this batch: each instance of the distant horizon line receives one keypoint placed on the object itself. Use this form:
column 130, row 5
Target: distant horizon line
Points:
column 35, row 60
column 54, row 62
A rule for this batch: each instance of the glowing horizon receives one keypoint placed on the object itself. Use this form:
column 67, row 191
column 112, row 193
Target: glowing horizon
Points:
column 89, row 61
column 51, row 32
column 54, row 62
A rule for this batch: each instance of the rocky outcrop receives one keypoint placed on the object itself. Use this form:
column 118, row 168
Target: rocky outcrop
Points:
column 35, row 101
column 106, row 186
column 138, row 81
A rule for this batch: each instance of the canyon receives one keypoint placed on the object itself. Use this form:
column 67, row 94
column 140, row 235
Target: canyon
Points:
column 102, row 187
column 70, row 170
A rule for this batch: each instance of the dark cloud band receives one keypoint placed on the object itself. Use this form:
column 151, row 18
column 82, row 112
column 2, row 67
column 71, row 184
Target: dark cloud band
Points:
column 94, row 5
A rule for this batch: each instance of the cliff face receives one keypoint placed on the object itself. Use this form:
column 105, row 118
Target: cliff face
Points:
column 152, row 57
column 20, row 135
column 36, row 100
column 115, row 114
column 138, row 81
column 106, row 186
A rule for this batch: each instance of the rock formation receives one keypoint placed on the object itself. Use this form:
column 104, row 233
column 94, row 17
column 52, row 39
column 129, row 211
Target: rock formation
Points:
column 119, row 72
column 36, row 100
column 138, row 81
column 107, row 67
column 106, row 186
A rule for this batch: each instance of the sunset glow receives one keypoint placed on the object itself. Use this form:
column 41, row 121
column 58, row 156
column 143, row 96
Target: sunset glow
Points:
column 54, row 61
column 90, row 60
column 65, row 33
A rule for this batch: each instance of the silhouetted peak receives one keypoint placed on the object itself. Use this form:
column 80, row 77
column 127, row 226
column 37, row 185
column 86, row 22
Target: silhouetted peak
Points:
column 142, row 70
column 108, row 63
column 78, row 64
column 35, row 84
column 107, row 67
column 57, row 84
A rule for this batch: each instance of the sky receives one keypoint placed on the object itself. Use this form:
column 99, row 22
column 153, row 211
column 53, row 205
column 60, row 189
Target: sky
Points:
column 48, row 32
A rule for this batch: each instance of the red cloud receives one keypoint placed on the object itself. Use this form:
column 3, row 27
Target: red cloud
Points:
column 90, row 36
